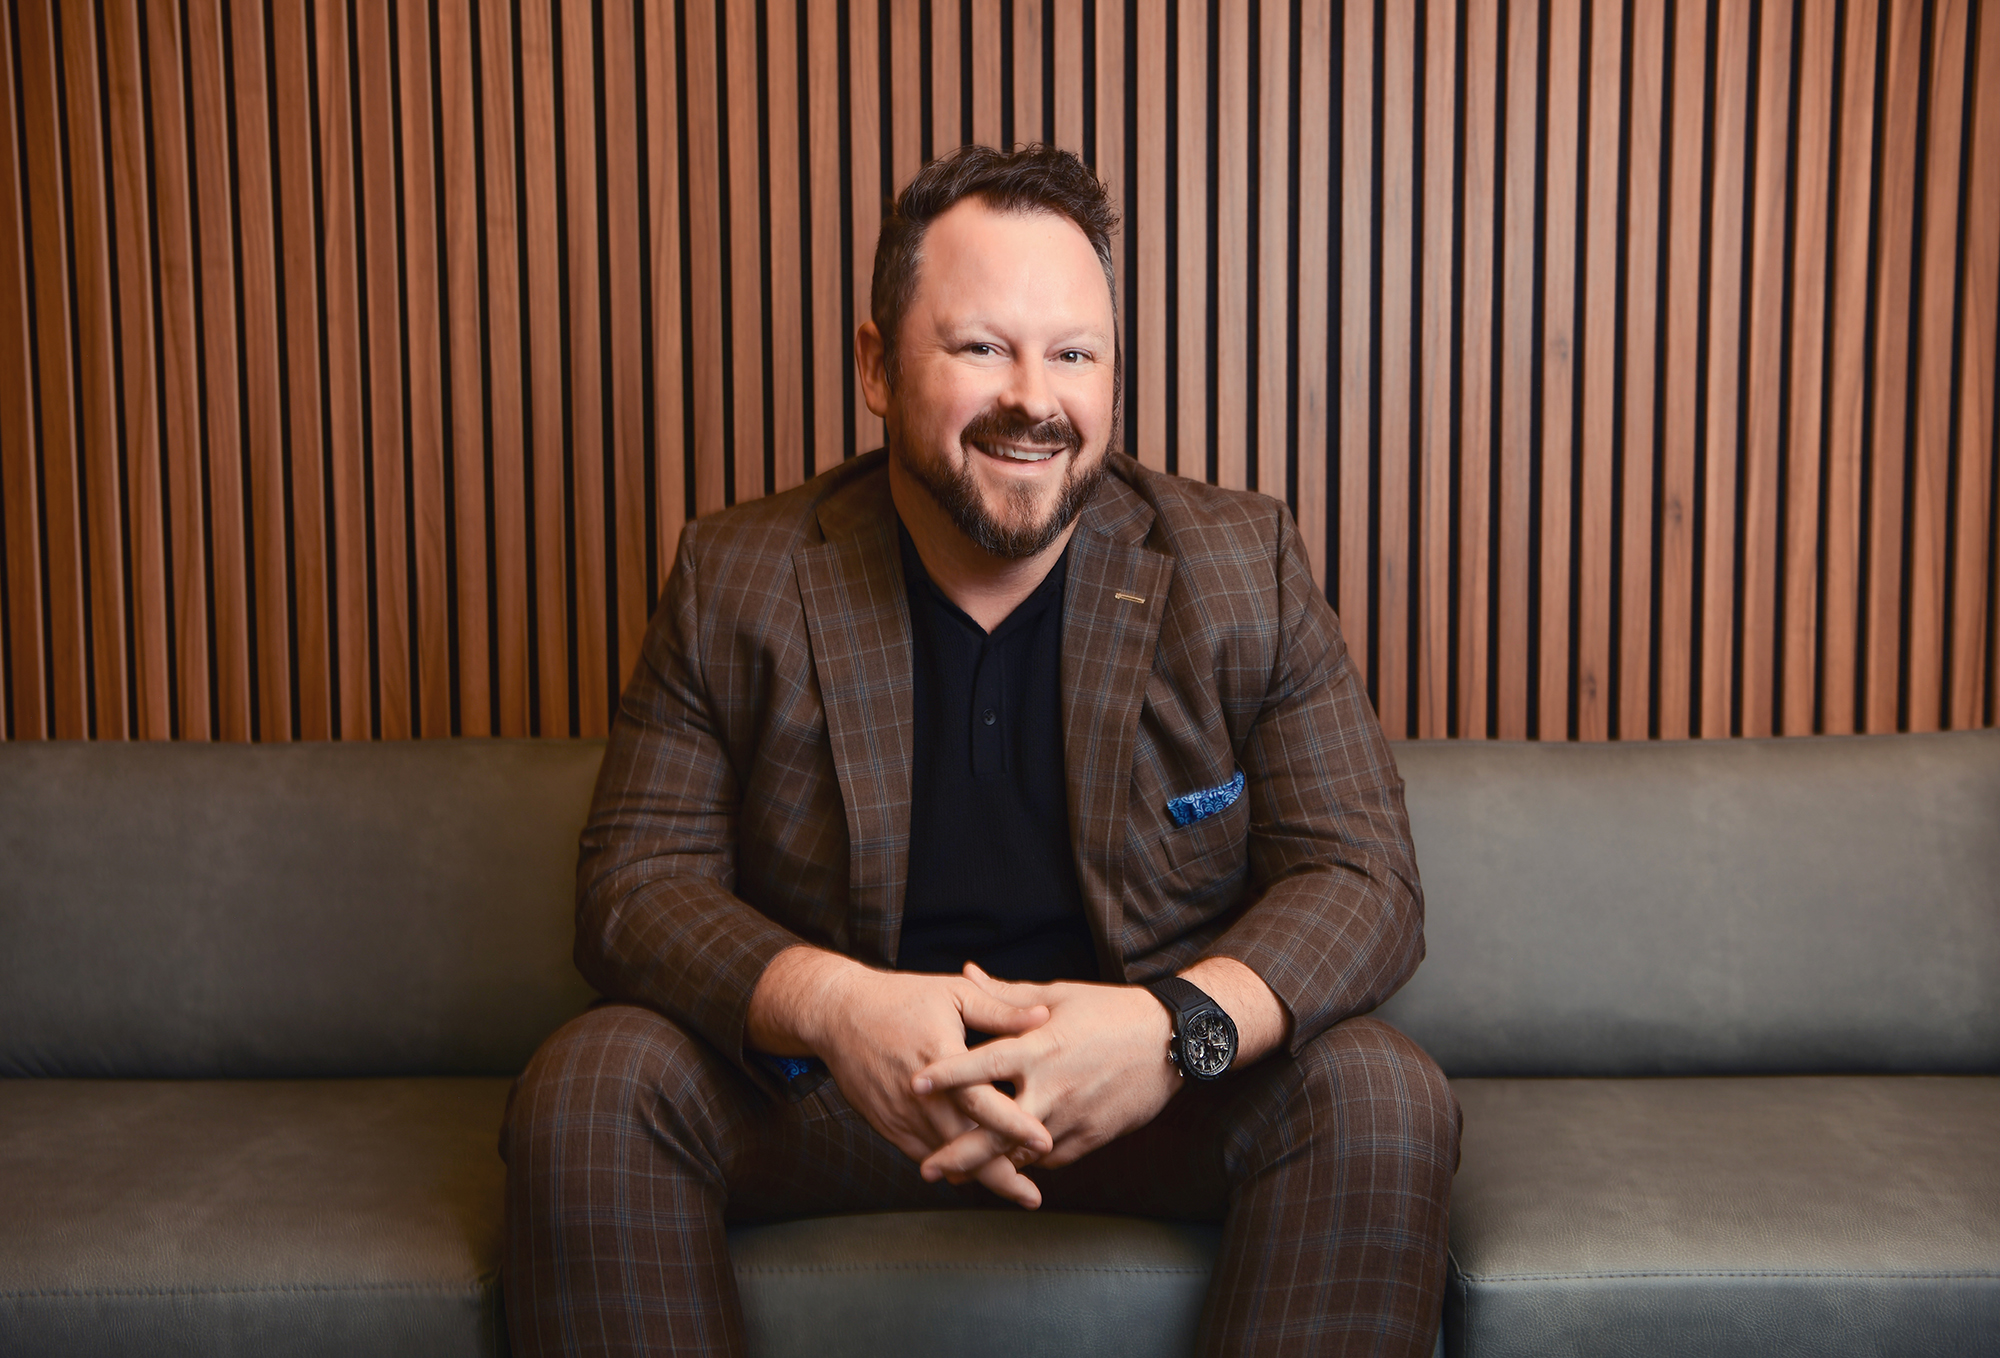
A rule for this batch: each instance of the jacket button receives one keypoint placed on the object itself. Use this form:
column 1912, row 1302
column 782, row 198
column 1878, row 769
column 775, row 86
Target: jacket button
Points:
column 990, row 718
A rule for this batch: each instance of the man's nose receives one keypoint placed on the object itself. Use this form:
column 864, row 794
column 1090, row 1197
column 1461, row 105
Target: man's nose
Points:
column 1028, row 390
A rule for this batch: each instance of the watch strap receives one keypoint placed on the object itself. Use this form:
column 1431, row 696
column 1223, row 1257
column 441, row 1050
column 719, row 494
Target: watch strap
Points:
column 1180, row 995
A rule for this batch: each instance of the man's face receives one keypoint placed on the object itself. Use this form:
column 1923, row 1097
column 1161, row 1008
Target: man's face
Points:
column 1003, row 399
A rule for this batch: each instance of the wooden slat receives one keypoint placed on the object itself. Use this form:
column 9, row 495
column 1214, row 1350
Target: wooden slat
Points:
column 587, row 362
column 788, row 356
column 625, row 515
column 385, row 483
column 1110, row 167
column 1680, row 372
column 1029, row 124
column 20, row 490
column 1271, row 444
column 1188, row 269
column 465, row 321
column 1312, row 428
column 1516, row 396
column 1644, row 259
column 1229, row 326
column 1763, row 531
column 1975, row 587
column 1147, row 414
column 1818, row 100
column 1560, row 285
column 424, row 356
column 832, row 338
column 1355, row 336
column 1847, row 377
column 949, row 126
column 1596, row 350
column 985, row 40
column 1937, row 285
column 554, row 677
column 506, row 471
column 704, row 247
column 1714, row 598
column 668, row 396
column 746, row 212
column 1067, row 39
column 1397, row 447
column 865, row 165
column 1431, row 564
column 1480, row 231
column 906, row 60
column 1895, row 247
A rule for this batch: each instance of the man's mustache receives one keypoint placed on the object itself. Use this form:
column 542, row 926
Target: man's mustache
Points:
column 993, row 426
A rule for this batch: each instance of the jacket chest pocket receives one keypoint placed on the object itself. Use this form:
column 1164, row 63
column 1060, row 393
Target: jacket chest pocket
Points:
column 1214, row 846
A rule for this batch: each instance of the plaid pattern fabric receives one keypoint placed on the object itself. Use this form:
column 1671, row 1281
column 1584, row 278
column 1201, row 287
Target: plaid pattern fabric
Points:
column 755, row 790
column 630, row 1144
column 755, row 793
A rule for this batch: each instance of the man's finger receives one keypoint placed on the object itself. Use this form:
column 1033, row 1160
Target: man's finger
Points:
column 1020, row 993
column 1000, row 1177
column 962, row 1155
column 991, row 1014
column 1002, row 1059
column 1003, row 1116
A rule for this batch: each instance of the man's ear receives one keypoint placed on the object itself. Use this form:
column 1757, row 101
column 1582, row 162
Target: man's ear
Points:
column 870, row 364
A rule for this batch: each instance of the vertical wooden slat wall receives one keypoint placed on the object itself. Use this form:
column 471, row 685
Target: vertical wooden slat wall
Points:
column 1631, row 366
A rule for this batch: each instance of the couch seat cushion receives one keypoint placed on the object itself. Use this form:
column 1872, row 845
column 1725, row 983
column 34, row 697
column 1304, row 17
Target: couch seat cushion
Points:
column 970, row 1284
column 1745, row 1215
column 250, row 1217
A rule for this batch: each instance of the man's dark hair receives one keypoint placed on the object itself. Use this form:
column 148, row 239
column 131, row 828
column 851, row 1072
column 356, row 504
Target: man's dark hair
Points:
column 1035, row 178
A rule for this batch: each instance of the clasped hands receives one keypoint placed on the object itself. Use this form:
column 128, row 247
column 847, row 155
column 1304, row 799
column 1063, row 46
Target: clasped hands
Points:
column 1088, row 1062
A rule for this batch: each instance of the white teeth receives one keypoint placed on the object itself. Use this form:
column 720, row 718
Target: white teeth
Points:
column 1017, row 454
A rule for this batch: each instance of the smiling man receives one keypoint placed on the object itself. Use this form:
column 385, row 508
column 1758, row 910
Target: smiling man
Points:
column 993, row 733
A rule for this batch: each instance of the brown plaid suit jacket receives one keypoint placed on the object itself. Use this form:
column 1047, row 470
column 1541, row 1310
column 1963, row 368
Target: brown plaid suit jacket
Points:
column 755, row 792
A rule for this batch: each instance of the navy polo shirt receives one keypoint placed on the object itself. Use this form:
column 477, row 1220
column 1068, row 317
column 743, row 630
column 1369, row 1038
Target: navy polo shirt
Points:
column 992, row 876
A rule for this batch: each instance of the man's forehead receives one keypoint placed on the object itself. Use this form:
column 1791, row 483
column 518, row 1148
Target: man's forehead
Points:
column 970, row 244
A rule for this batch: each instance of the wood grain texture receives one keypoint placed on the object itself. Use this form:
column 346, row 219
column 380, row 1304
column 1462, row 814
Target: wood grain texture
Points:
column 1629, row 369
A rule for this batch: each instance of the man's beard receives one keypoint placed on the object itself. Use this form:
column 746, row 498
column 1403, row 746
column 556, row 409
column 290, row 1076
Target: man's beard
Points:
column 952, row 484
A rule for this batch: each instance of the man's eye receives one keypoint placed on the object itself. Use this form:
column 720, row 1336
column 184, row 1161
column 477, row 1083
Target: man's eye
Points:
column 979, row 350
column 1073, row 356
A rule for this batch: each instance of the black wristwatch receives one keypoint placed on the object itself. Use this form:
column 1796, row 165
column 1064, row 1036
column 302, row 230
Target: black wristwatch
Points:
column 1203, row 1046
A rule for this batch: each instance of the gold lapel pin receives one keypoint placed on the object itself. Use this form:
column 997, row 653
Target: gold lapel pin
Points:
column 1128, row 598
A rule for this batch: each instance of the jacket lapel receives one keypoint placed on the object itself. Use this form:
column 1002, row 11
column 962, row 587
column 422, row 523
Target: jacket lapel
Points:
column 1116, row 597
column 858, row 617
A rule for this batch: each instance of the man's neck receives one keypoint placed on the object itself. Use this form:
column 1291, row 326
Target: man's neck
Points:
column 987, row 587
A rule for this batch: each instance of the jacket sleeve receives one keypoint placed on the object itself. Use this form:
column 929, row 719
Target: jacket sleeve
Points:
column 657, row 922
column 1335, row 923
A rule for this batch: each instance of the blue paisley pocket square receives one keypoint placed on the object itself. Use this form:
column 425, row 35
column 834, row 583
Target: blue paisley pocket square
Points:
column 1190, row 807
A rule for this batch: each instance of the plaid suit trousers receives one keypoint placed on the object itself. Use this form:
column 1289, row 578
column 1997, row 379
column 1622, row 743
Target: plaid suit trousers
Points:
column 630, row 1144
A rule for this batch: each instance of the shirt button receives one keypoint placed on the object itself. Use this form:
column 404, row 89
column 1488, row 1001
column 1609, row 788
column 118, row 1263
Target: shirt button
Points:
column 990, row 718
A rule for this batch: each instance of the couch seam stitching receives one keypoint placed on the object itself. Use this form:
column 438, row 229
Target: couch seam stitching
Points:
column 1188, row 1270
column 477, row 1289
column 1721, row 1273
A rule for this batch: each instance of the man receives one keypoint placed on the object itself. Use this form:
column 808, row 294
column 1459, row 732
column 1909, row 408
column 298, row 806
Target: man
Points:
column 998, row 698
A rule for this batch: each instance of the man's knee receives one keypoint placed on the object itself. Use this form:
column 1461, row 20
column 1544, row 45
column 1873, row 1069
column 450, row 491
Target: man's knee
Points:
column 1381, row 1092
column 616, row 1069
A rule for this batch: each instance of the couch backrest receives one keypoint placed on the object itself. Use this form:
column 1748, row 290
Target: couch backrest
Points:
column 1708, row 906
column 310, row 909
column 405, row 907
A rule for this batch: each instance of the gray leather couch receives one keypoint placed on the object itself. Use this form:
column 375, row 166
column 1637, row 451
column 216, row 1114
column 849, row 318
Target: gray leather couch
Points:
column 1724, row 1018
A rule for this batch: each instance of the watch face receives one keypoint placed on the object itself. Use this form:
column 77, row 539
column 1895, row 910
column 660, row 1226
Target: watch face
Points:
column 1207, row 1044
